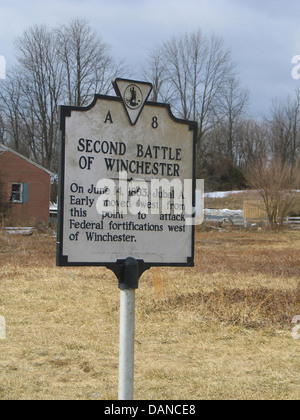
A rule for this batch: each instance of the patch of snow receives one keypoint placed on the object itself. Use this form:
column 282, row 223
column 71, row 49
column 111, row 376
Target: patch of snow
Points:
column 224, row 213
column 26, row 231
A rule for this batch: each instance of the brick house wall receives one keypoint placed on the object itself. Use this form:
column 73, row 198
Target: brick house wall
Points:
column 33, row 183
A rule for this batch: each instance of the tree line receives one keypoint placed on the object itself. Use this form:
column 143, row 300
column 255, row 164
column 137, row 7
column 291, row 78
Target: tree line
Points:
column 194, row 73
column 64, row 65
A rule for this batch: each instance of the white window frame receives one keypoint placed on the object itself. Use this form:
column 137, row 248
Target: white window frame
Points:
column 21, row 192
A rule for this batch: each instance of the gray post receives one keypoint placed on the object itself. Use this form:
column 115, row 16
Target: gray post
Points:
column 127, row 285
column 126, row 355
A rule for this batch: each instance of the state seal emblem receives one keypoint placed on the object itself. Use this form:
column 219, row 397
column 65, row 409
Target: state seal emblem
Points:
column 133, row 97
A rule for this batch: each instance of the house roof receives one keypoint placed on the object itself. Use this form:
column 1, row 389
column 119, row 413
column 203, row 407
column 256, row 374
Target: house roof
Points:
column 4, row 149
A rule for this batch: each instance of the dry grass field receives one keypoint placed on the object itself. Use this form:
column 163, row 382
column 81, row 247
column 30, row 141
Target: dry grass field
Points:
column 236, row 201
column 219, row 331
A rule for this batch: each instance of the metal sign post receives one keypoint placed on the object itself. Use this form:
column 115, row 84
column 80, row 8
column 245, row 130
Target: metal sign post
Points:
column 126, row 349
column 128, row 273
column 126, row 195
column 127, row 329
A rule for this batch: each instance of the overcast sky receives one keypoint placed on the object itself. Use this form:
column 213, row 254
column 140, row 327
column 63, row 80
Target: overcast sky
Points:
column 263, row 35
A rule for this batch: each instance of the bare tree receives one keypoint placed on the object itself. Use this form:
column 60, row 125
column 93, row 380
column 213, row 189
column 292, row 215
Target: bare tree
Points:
column 40, row 74
column 88, row 65
column 228, row 114
column 189, row 72
column 11, row 103
column 155, row 73
column 252, row 142
column 2, row 128
column 285, row 129
column 54, row 66
column 196, row 68
column 276, row 182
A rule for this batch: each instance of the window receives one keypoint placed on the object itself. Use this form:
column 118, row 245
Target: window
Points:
column 16, row 193
column 19, row 193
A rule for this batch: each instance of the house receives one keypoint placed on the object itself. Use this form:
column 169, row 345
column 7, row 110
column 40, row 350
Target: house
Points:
column 25, row 185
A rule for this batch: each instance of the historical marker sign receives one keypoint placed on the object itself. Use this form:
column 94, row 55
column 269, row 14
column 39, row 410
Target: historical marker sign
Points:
column 127, row 182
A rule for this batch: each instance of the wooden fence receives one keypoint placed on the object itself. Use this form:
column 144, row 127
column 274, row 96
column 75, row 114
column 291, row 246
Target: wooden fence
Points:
column 254, row 212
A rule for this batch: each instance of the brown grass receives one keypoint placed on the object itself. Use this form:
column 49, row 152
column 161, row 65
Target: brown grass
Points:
column 231, row 202
column 258, row 308
column 219, row 331
column 236, row 201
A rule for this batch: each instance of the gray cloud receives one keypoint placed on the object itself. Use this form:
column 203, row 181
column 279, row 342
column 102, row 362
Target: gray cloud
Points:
column 263, row 35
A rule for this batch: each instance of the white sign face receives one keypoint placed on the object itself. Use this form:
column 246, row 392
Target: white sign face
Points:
column 127, row 182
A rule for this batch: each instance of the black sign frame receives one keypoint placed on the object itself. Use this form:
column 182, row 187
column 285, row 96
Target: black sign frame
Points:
column 117, row 266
